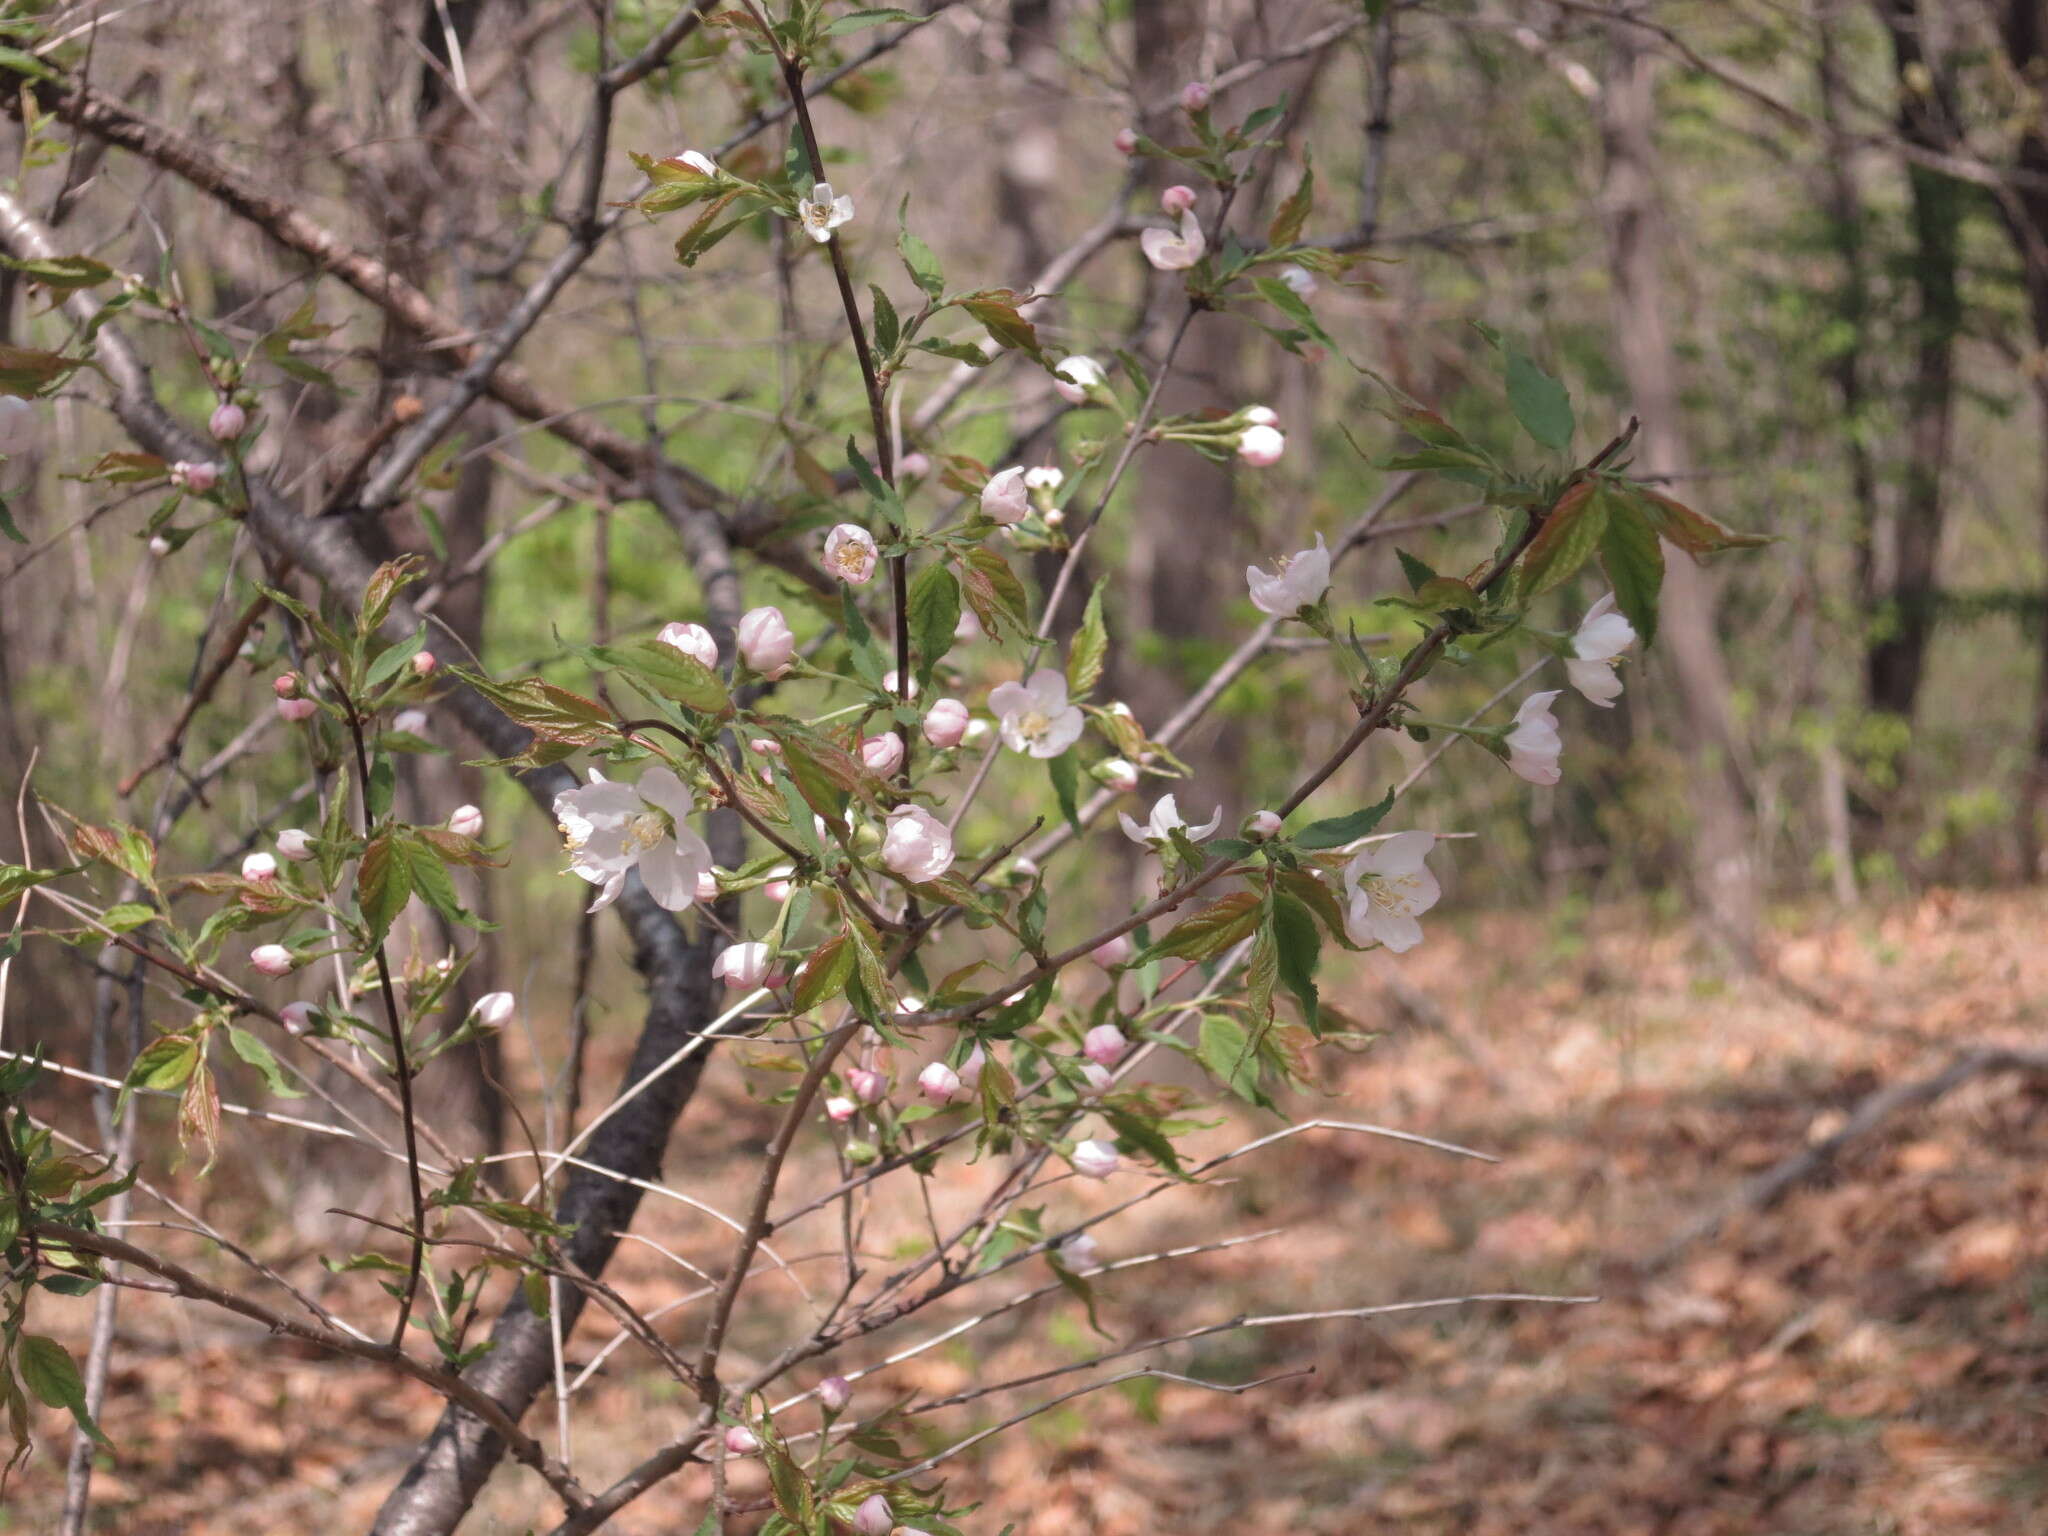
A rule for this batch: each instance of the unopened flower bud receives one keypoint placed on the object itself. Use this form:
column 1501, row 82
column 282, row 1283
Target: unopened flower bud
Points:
column 410, row 722
column 159, row 545
column 286, row 685
column 889, row 684
column 976, row 733
column 1194, row 97
column 835, row 1392
column 1177, row 200
column 228, row 422
column 1260, row 446
column 1074, row 377
column 767, row 746
column 1126, row 141
column 197, row 478
column 298, row 1017
column 1025, row 865
column 874, row 1517
column 1098, row 1078
column 1300, row 279
column 272, row 959
column 1111, row 953
column 707, row 886
column 467, row 821
column 259, row 866
column 860, row 1153
column 946, row 722
column 1262, row 824
column 295, row 845
column 1095, row 1159
column 1104, row 1045
column 423, row 663
column 295, row 710
column 1079, row 1252
column 742, row 965
column 840, row 1110
column 1261, row 416
column 939, row 1083
column 765, row 643
column 883, row 754
column 1005, row 497
column 693, row 640
column 741, row 1441
column 778, row 885
column 1118, row 774
column 494, row 1009
column 915, row 466
column 868, row 1086
column 910, row 1003
column 967, row 627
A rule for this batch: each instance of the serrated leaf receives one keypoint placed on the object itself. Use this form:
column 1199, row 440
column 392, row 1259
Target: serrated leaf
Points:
column 1226, row 1050
column 1634, row 563
column 1066, row 787
column 934, row 614
column 668, row 672
column 1539, row 402
column 257, row 1054
column 1211, row 930
column 918, row 258
column 888, row 329
column 383, row 883
column 1692, row 531
column 1286, row 226
column 1089, row 649
column 994, row 592
column 1567, row 540
column 1336, row 831
column 1300, row 951
column 959, row 351
column 999, row 316
column 823, row 974
column 49, row 1372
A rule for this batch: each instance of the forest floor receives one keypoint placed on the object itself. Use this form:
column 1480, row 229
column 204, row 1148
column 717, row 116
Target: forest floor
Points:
column 1867, row 1356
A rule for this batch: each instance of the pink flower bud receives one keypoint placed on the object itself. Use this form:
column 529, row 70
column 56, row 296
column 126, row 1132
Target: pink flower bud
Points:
column 742, row 965
column 423, row 663
column 839, row 1110
column 259, row 866
column 467, row 821
column 272, row 959
column 889, row 684
column 1094, row 1159
column 1194, row 96
column 158, row 544
column 494, row 1009
column 1104, row 1045
column 1260, row 446
column 298, row 1017
column 410, row 722
column 742, row 1441
column 1079, row 1252
column 1262, row 824
column 917, row 845
column 286, row 685
column 874, row 1517
column 197, row 478
column 1126, row 141
column 851, row 553
column 945, row 723
column 939, row 1083
column 295, row 710
column 693, row 640
column 883, row 754
column 1005, row 497
column 915, row 466
column 1177, row 200
column 765, row 642
column 1111, row 953
column 707, row 886
column 767, row 746
column 835, row 1392
column 869, row 1086
column 1118, row 774
column 295, row 845
column 228, row 422
column 1098, row 1078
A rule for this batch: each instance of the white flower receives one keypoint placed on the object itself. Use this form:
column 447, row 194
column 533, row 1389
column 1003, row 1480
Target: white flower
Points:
column 850, row 553
column 1094, row 1159
column 883, row 754
column 1533, row 745
column 1262, row 824
column 259, row 866
column 1157, row 830
column 1117, row 773
column 1260, row 445
column 821, row 212
column 1046, row 477
column 1297, row 581
column 693, row 640
column 1035, row 715
column 609, row 828
column 1005, row 498
column 295, row 845
column 742, row 965
column 272, row 959
column 1261, row 416
column 1390, row 887
column 917, row 845
column 699, row 162
column 410, row 722
column 840, row 1110
column 18, row 424
column 466, row 821
column 707, row 885
column 1073, row 377
column 765, row 642
column 1300, row 279
column 494, row 1009
column 945, row 723
column 939, row 1083
column 1174, row 252
column 1603, row 634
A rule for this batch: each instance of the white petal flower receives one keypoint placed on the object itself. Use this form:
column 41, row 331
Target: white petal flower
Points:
column 742, row 965
column 821, row 212
column 699, row 162
column 1045, row 477
column 1005, row 497
column 693, row 640
column 1073, row 377
column 1175, row 251
column 1095, row 1159
column 850, row 553
column 1035, row 715
column 765, row 642
column 917, row 845
column 1159, row 826
column 1390, row 887
column 1297, row 581
column 1534, row 745
column 1261, row 445
column 611, row 828
column 1602, row 636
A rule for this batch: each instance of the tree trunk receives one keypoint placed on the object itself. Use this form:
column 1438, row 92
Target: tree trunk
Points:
column 1723, row 859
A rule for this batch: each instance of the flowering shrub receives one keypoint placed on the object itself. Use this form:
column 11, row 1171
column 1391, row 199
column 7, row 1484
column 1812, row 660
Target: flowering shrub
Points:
column 806, row 786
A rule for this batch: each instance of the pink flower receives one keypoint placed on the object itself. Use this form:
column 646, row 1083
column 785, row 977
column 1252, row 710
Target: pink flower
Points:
column 835, row 1392
column 1177, row 200
column 1098, row 1078
column 1172, row 251
column 1006, row 498
column 1194, row 97
column 467, row 821
column 295, row 845
column 298, row 1017
column 868, row 1085
column 883, row 754
column 939, row 1083
column 494, row 1009
column 1261, row 446
column 272, row 959
column 945, row 723
column 968, row 628
column 1126, row 141
column 917, row 845
column 693, row 640
column 778, row 886
column 1104, row 1045
column 915, row 466
column 1534, row 745
column 1079, row 1253
column 1111, row 953
column 259, row 866
column 295, row 710
column 839, row 1110
column 850, row 553
column 1262, row 824
column 286, row 685
column 197, row 478
column 228, row 422
column 1094, row 1159
column 765, row 642
column 874, row 1517
column 742, row 965
column 423, row 663
column 742, row 1441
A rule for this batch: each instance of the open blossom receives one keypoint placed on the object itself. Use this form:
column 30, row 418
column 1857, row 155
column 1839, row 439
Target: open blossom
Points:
column 693, row 640
column 1104, row 1045
column 821, row 212
column 1035, row 715
column 945, row 723
column 1111, row 953
column 1260, row 445
column 1390, row 888
column 259, row 866
column 272, row 959
column 1298, row 580
column 1158, row 828
column 1005, row 498
column 1073, row 377
column 883, row 754
column 917, row 845
column 466, row 821
column 1094, row 1159
column 1046, row 477
column 765, row 642
column 17, row 424
column 1175, row 250
column 494, row 1009
column 850, row 553
column 294, row 844
column 610, row 828
column 1534, row 745
column 939, row 1083
column 1603, row 634
column 742, row 965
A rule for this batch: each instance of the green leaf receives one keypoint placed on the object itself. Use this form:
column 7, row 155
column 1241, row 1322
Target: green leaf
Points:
column 49, row 1372
column 1300, row 951
column 1539, row 402
column 7, row 524
column 1634, row 562
column 1066, row 785
column 668, row 672
column 888, row 329
column 257, row 1054
column 994, row 592
column 1567, row 539
column 383, row 882
column 16, row 878
column 1286, row 226
column 1225, row 1049
column 1091, row 646
column 823, row 974
column 430, row 878
column 960, row 351
column 1336, row 831
column 1693, row 532
column 1009, row 328
column 1211, row 930
column 1418, row 572
column 934, row 614
column 918, row 257
column 1295, row 307
column 855, row 21
column 392, row 657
